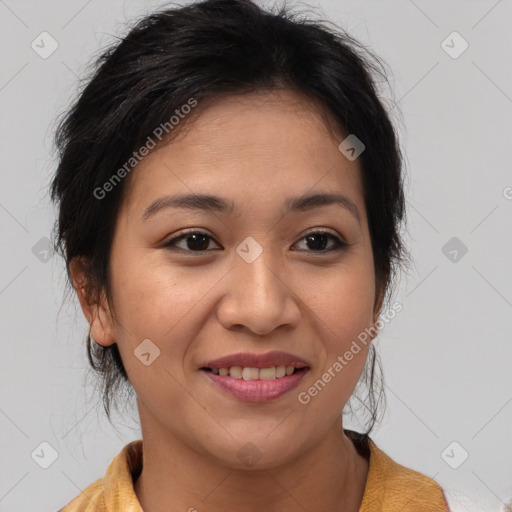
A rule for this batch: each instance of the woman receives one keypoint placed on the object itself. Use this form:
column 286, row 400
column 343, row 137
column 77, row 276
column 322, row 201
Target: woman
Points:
column 230, row 196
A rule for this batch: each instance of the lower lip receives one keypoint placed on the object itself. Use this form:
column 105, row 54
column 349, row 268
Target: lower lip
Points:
column 257, row 390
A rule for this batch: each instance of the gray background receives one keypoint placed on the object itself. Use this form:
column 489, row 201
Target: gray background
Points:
column 447, row 355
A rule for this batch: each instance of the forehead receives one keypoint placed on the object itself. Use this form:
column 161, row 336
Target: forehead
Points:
column 256, row 146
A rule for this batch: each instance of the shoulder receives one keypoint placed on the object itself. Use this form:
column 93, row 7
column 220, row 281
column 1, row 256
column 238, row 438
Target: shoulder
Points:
column 115, row 490
column 391, row 486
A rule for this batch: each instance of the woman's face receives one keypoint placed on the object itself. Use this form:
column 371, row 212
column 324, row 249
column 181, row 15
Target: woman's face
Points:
column 249, row 282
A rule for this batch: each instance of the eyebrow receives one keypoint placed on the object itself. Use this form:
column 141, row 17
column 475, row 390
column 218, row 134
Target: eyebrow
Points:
column 218, row 204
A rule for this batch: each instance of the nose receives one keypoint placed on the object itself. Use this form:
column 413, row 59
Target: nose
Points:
column 259, row 297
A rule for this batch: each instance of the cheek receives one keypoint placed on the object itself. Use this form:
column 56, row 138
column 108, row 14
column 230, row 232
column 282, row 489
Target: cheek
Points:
column 156, row 302
column 152, row 295
column 343, row 319
column 343, row 307
column 342, row 299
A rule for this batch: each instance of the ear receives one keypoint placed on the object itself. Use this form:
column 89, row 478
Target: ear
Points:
column 97, row 313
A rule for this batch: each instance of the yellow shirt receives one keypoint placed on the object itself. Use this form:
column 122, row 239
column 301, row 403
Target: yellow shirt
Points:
column 390, row 487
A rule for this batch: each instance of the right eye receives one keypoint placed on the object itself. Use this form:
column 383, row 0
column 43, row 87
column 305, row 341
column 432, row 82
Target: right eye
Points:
column 195, row 241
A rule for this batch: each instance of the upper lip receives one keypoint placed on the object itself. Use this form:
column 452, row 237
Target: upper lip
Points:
column 253, row 360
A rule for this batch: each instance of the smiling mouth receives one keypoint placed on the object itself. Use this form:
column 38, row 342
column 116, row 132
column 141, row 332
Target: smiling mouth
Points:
column 250, row 384
column 250, row 373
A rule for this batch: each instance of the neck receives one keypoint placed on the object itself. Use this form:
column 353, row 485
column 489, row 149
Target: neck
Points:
column 330, row 476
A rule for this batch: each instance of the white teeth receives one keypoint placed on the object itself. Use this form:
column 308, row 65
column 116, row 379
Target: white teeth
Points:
column 235, row 372
column 280, row 371
column 267, row 373
column 248, row 373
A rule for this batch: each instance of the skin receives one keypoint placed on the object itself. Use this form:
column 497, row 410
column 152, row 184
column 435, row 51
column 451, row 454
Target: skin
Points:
column 256, row 150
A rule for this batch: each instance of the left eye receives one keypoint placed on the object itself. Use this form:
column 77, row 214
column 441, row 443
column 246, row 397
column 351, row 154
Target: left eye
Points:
column 197, row 241
column 318, row 240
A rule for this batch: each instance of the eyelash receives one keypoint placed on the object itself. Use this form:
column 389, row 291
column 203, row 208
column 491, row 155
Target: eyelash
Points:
column 171, row 244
